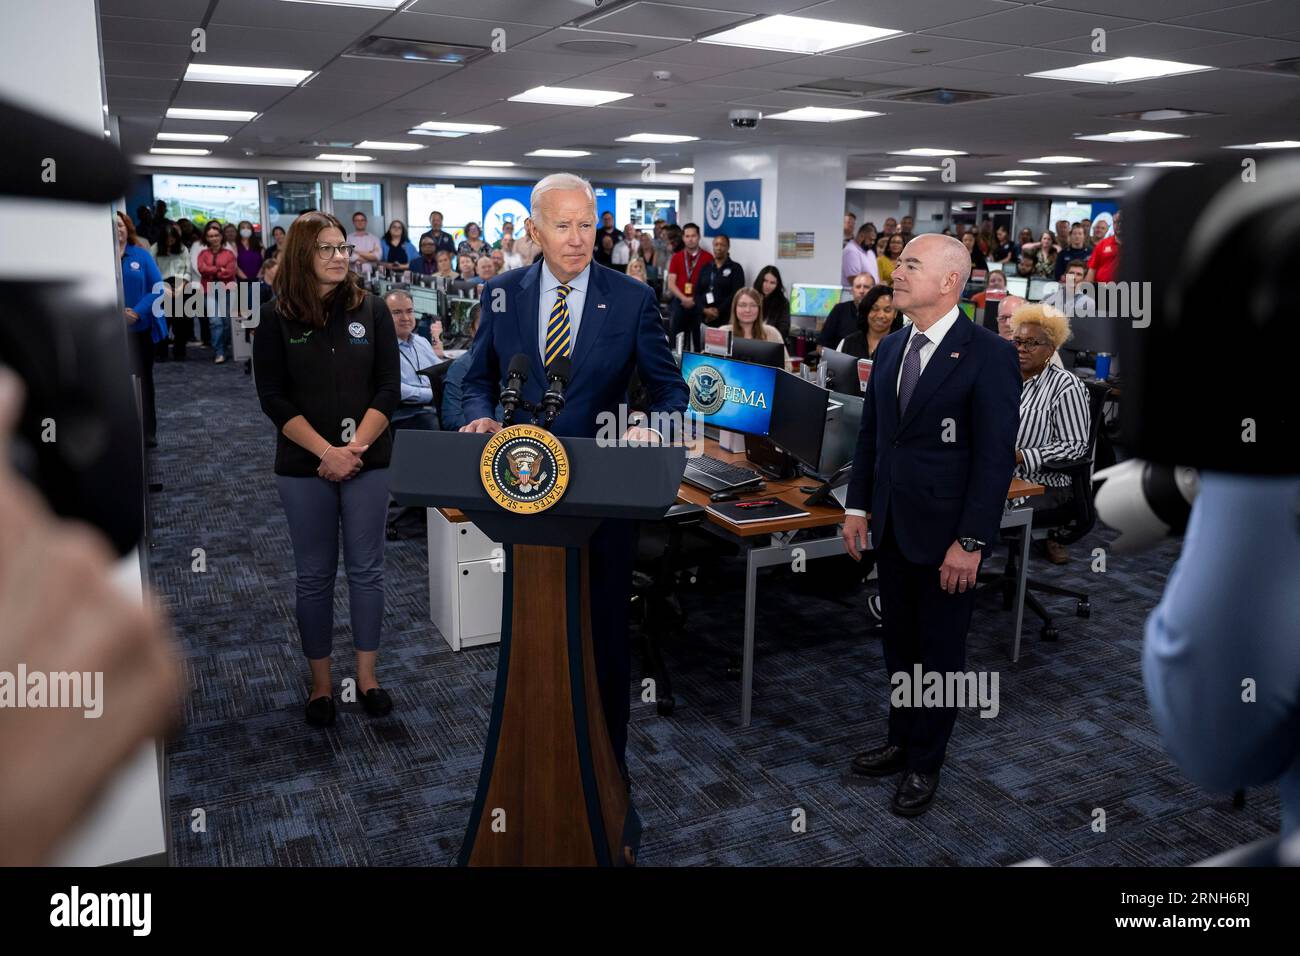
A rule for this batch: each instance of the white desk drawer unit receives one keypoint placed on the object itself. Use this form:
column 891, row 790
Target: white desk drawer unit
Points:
column 465, row 577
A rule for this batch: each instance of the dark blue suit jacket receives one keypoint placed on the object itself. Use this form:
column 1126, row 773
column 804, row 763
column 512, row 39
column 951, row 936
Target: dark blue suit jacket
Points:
column 932, row 491
column 620, row 331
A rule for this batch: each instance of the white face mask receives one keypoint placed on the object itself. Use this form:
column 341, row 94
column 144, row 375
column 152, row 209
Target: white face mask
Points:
column 246, row 233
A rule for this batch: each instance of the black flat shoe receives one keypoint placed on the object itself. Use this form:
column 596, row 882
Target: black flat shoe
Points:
column 915, row 792
column 320, row 712
column 881, row 762
column 376, row 702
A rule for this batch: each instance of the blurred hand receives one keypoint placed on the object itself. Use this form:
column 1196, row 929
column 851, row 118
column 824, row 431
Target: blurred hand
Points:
column 63, row 613
column 482, row 426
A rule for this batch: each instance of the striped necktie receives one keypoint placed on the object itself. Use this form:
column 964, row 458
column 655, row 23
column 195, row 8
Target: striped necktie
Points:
column 557, row 327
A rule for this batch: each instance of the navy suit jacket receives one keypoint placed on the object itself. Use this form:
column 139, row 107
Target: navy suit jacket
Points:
column 943, row 470
column 621, row 331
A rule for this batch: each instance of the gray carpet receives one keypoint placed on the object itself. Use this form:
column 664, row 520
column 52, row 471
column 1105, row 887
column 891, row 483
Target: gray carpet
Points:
column 1073, row 734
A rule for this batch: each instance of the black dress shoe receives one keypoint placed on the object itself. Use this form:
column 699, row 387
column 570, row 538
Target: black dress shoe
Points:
column 376, row 702
column 881, row 762
column 320, row 712
column 915, row 791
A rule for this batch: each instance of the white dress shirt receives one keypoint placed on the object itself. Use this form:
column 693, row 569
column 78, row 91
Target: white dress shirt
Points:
column 625, row 251
column 935, row 334
column 576, row 298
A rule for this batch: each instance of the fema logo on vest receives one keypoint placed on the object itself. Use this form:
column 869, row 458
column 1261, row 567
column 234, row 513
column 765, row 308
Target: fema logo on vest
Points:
column 358, row 333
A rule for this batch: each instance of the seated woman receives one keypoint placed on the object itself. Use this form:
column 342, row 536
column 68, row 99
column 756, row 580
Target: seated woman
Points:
column 1054, row 417
column 747, row 320
column 876, row 317
column 775, row 303
column 463, row 284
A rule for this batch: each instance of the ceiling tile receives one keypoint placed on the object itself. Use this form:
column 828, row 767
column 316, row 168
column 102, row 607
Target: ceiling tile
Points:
column 1032, row 25
column 1163, row 10
column 1266, row 19
column 646, row 18
column 905, row 15
column 1159, row 40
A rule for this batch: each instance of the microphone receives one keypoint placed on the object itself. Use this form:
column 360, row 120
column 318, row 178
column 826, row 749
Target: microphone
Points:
column 557, row 376
column 516, row 376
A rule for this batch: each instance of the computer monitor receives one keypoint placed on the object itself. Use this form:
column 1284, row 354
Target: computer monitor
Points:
column 730, row 394
column 1092, row 333
column 996, row 266
column 815, row 300
column 1040, row 288
column 841, row 372
column 798, row 419
column 425, row 301
column 759, row 351
column 991, row 314
column 459, row 315
column 967, row 308
column 840, row 441
column 1018, row 285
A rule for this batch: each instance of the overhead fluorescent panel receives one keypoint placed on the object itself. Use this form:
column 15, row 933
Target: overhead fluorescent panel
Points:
column 660, row 20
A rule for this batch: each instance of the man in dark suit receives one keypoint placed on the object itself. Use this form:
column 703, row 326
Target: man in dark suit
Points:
column 934, row 461
column 608, row 325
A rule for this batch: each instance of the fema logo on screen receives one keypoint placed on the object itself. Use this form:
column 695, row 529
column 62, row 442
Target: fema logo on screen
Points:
column 733, row 206
column 708, row 389
column 715, row 209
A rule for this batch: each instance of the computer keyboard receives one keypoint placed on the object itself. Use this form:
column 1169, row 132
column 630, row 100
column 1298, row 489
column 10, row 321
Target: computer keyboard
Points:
column 723, row 471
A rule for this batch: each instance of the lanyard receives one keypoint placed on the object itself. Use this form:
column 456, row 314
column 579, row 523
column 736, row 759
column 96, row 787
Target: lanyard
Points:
column 690, row 264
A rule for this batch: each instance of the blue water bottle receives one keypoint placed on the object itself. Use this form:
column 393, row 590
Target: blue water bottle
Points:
column 1103, row 366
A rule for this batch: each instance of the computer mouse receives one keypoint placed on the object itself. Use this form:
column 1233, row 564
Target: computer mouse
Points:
column 723, row 496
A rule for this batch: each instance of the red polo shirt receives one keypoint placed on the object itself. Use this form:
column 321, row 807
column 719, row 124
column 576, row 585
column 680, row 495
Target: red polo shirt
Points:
column 677, row 266
column 1105, row 259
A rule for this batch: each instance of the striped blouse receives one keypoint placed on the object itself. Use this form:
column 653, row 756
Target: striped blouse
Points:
column 1054, row 423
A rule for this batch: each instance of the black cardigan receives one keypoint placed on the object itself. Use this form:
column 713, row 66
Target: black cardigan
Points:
column 331, row 376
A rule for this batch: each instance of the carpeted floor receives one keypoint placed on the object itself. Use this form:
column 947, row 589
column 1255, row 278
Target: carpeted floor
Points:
column 1072, row 735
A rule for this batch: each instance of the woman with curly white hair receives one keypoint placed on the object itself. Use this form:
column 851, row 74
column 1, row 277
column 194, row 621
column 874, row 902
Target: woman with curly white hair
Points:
column 1054, row 417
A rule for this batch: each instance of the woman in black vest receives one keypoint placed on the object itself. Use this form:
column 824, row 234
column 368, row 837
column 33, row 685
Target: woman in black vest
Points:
column 327, row 375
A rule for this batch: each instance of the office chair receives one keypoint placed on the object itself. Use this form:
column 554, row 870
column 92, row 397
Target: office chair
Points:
column 1066, row 524
column 669, row 552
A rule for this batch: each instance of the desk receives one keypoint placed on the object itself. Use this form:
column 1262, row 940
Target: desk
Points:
column 772, row 543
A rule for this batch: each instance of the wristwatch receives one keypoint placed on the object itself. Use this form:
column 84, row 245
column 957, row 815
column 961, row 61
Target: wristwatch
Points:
column 971, row 544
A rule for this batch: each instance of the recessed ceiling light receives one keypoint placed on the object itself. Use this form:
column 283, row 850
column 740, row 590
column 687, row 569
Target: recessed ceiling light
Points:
column 1126, row 69
column 373, row 144
column 221, row 116
column 1168, row 164
column 488, row 162
column 193, row 137
column 911, row 169
column 345, row 156
column 437, row 128
column 1122, row 179
column 180, row 151
column 901, row 179
column 926, row 151
column 627, row 159
column 249, row 75
column 657, row 138
column 685, row 171
column 1017, row 172
column 1132, row 136
column 798, row 35
column 1161, row 115
column 1017, row 182
column 559, row 153
column 1096, row 186
column 567, row 96
column 1058, row 160
column 1275, row 144
column 369, row 4
column 821, row 114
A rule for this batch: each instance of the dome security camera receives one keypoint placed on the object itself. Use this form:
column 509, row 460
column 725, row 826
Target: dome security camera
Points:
column 744, row 119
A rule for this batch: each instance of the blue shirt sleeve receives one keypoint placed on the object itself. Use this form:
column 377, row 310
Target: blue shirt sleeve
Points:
column 452, row 415
column 1231, row 613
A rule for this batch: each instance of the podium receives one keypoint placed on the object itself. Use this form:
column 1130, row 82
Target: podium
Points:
column 549, row 792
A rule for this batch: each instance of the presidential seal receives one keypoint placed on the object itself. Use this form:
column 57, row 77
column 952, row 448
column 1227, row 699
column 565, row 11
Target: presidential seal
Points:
column 524, row 469
column 708, row 389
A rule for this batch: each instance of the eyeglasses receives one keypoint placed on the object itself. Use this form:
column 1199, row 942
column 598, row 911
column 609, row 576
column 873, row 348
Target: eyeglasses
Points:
column 1028, row 343
column 327, row 252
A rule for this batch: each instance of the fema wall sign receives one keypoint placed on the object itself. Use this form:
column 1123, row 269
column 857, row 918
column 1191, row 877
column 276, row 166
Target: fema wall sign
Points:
column 732, row 206
column 524, row 469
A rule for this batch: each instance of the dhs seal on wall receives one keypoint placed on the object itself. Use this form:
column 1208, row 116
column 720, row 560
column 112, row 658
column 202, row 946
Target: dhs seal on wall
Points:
column 524, row 469
column 708, row 389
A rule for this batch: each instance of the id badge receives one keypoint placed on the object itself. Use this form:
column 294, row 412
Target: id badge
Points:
column 708, row 298
column 687, row 287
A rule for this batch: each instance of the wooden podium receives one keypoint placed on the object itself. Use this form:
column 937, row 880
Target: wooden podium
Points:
column 550, row 792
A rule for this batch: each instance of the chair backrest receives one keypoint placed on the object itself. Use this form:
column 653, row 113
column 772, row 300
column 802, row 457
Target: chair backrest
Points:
column 1077, row 517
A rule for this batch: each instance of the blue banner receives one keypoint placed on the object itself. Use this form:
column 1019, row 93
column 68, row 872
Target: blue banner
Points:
column 732, row 206
column 503, row 204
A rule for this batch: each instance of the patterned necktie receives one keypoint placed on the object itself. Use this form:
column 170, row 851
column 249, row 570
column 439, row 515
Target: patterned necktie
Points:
column 557, row 327
column 911, row 371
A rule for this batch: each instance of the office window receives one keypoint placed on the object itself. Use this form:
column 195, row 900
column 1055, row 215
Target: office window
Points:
column 286, row 201
column 350, row 198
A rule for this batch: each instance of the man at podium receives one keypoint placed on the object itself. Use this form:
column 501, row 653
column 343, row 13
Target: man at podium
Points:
column 607, row 325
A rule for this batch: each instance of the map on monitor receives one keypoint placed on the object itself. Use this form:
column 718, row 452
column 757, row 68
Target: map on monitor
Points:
column 815, row 300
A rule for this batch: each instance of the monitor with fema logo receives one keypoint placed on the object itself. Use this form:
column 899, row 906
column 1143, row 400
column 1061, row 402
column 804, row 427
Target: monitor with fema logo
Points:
column 728, row 394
